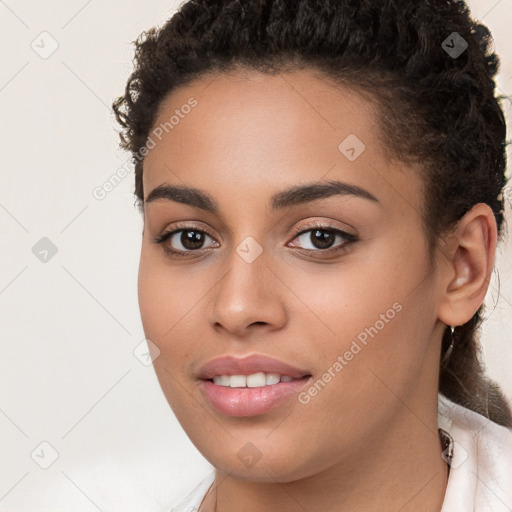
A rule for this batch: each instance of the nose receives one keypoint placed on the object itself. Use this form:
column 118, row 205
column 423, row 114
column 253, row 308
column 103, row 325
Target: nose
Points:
column 249, row 297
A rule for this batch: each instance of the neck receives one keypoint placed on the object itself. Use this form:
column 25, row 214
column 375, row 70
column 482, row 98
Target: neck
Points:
column 401, row 470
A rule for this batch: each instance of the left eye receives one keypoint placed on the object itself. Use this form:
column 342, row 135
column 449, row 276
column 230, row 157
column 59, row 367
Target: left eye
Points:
column 323, row 238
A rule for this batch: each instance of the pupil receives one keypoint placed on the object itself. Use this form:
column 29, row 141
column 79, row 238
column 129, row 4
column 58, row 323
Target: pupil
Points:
column 321, row 238
column 192, row 239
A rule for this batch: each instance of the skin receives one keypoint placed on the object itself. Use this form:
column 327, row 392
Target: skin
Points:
column 368, row 440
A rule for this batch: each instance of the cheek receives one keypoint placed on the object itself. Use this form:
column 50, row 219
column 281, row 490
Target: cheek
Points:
column 166, row 298
column 349, row 298
column 369, row 312
column 166, row 294
column 373, row 355
column 162, row 305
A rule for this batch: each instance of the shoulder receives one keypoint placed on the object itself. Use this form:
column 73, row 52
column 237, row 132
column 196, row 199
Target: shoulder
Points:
column 480, row 475
column 194, row 498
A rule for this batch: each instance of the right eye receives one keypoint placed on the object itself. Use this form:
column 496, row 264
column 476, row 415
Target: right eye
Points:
column 188, row 239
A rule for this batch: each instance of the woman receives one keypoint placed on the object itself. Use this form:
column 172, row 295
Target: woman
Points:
column 321, row 184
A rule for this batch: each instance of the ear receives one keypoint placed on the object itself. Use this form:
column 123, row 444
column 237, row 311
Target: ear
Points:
column 465, row 263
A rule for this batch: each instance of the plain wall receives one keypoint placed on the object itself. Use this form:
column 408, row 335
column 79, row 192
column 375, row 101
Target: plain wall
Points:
column 69, row 325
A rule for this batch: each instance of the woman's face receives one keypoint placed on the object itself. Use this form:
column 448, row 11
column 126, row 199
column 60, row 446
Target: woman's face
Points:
column 332, row 284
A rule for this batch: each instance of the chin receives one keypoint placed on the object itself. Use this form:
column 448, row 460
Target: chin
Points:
column 249, row 463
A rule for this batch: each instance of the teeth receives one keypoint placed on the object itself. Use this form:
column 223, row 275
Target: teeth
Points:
column 255, row 380
column 272, row 378
column 221, row 380
column 237, row 381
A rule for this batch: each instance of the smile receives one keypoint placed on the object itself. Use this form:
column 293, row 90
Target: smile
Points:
column 250, row 385
column 255, row 380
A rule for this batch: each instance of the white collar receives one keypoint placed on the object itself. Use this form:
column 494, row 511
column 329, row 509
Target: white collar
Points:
column 480, row 478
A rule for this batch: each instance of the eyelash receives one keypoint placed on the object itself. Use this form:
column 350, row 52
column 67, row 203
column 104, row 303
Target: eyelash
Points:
column 349, row 238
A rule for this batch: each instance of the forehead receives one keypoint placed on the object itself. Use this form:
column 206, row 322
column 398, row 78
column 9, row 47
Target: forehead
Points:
column 269, row 132
column 298, row 104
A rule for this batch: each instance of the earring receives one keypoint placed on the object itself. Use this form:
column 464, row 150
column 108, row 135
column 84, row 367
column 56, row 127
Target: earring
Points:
column 447, row 354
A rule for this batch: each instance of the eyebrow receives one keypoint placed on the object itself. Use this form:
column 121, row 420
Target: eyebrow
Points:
column 293, row 196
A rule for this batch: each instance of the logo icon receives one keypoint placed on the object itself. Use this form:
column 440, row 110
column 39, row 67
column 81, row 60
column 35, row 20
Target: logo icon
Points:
column 454, row 45
column 146, row 352
column 352, row 147
column 249, row 249
column 44, row 45
column 44, row 455
column 249, row 454
column 44, row 250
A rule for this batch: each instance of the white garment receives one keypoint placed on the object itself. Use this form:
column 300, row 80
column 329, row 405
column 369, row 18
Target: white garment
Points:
column 480, row 478
column 481, row 469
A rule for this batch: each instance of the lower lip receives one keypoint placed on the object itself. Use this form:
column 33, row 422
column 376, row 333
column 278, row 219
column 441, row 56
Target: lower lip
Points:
column 250, row 401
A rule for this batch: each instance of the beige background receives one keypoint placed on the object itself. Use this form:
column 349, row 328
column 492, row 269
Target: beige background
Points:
column 69, row 326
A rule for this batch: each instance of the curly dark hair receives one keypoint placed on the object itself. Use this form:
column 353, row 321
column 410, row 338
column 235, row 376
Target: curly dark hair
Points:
column 436, row 107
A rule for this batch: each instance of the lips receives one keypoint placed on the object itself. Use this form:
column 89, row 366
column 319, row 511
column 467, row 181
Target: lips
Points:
column 235, row 386
column 249, row 365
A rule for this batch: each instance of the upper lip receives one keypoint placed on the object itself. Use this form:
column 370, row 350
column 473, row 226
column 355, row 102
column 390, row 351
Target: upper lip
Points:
column 255, row 363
